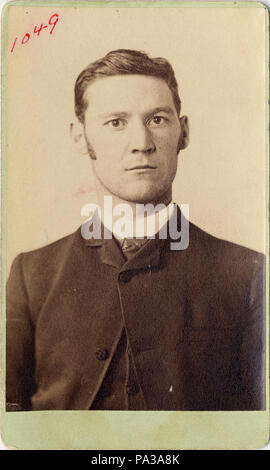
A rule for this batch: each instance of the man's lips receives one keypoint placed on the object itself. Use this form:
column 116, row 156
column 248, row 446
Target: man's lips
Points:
column 141, row 167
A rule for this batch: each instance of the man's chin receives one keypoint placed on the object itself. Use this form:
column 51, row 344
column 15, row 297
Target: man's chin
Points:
column 139, row 193
column 144, row 197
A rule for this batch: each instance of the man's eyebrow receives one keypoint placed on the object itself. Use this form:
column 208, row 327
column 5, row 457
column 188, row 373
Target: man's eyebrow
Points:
column 117, row 114
column 161, row 109
column 122, row 114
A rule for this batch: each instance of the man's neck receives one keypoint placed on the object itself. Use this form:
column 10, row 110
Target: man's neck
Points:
column 134, row 220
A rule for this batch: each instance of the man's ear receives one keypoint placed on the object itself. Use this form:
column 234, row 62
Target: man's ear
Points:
column 77, row 135
column 184, row 137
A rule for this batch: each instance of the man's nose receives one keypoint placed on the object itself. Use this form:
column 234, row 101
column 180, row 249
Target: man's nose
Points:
column 141, row 140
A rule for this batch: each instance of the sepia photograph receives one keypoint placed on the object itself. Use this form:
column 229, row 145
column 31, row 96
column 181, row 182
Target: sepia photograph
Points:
column 135, row 256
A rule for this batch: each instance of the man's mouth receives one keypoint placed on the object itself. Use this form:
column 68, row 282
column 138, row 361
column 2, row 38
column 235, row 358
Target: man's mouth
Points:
column 141, row 168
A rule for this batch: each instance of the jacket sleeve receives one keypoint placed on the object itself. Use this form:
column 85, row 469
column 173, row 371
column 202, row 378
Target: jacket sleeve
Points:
column 19, row 342
column 253, row 342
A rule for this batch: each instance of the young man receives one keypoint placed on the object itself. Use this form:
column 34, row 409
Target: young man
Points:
column 135, row 324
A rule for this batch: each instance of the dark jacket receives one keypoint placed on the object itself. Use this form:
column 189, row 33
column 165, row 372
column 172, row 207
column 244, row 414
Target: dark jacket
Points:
column 194, row 321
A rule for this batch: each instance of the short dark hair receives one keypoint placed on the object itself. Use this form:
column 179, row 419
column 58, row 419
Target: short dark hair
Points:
column 124, row 62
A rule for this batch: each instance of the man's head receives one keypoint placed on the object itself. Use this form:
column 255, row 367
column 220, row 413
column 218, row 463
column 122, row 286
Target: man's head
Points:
column 128, row 111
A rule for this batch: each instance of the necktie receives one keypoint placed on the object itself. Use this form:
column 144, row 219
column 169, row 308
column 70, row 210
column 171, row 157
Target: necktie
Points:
column 130, row 246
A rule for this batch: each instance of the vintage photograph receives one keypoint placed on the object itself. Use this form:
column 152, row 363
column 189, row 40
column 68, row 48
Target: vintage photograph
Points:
column 136, row 183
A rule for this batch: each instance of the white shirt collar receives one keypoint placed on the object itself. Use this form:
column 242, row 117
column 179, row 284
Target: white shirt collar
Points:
column 147, row 225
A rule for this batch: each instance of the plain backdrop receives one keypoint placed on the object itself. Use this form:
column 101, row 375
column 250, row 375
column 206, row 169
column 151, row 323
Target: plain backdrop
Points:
column 218, row 55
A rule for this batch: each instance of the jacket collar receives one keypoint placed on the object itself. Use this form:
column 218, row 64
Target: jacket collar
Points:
column 147, row 257
column 110, row 253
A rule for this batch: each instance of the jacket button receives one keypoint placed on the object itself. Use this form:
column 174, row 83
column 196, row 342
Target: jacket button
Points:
column 132, row 389
column 125, row 276
column 102, row 354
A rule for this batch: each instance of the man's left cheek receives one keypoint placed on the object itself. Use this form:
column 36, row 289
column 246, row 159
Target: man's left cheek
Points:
column 163, row 147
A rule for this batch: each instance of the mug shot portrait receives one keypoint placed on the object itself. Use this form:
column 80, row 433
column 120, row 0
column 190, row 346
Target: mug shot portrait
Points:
column 139, row 308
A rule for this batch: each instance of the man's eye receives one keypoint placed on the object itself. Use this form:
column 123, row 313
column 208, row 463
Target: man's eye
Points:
column 157, row 121
column 116, row 123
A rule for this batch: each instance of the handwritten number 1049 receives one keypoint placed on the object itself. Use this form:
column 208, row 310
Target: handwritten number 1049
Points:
column 52, row 22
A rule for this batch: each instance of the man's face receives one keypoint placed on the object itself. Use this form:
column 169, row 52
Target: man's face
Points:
column 132, row 131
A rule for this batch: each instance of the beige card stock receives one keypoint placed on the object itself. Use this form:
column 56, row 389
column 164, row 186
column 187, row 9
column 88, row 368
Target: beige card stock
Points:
column 219, row 51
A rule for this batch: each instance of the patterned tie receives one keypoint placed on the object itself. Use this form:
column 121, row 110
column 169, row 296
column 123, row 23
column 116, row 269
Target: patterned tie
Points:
column 130, row 246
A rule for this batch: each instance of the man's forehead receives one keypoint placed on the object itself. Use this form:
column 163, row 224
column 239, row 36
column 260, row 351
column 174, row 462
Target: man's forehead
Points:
column 127, row 92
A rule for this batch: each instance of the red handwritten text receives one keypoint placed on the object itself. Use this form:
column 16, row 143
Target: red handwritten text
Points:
column 37, row 30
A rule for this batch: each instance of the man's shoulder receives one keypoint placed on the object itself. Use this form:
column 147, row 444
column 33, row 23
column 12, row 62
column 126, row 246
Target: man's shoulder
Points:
column 215, row 246
column 223, row 257
column 51, row 253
